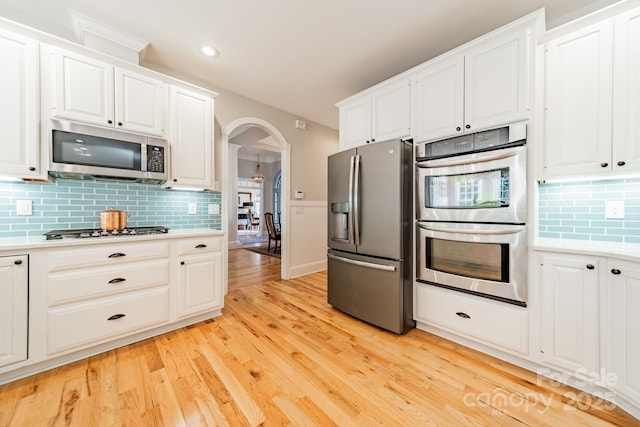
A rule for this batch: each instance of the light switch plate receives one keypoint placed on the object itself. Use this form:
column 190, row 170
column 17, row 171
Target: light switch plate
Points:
column 614, row 209
column 24, row 207
column 214, row 209
column 193, row 209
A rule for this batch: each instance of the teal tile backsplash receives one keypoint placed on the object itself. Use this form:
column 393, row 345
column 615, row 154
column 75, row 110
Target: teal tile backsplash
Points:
column 576, row 210
column 64, row 204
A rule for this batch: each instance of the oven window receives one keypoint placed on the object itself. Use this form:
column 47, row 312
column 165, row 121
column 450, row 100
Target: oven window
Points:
column 487, row 261
column 487, row 189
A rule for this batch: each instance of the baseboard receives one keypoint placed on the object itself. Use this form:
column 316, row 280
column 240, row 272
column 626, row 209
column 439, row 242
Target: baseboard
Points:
column 308, row 268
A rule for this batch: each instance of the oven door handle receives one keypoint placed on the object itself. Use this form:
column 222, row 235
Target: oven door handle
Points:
column 480, row 158
column 362, row 263
column 506, row 230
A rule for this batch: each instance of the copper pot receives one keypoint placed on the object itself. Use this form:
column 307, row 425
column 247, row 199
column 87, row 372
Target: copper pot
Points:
column 113, row 219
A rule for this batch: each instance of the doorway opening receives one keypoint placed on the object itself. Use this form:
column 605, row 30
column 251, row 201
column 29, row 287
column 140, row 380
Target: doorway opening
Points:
column 265, row 140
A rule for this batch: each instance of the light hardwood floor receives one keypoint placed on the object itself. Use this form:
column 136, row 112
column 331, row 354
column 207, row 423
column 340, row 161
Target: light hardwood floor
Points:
column 280, row 355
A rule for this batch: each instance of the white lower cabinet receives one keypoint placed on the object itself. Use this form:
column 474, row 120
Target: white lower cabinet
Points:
column 76, row 325
column 14, row 291
column 497, row 324
column 622, row 328
column 590, row 320
column 200, row 283
column 569, row 323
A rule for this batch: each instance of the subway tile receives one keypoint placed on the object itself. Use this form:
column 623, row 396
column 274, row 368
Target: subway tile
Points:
column 606, row 238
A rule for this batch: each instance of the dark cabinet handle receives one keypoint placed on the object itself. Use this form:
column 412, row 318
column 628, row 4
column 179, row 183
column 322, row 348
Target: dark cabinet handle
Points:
column 615, row 271
column 367, row 141
column 621, row 163
column 181, row 262
column 463, row 315
column 33, row 169
column 590, row 266
column 458, row 129
column 468, row 126
column 119, row 123
column 175, row 180
column 200, row 246
column 17, row 262
column 116, row 316
column 117, row 280
column 373, row 140
column 117, row 255
column 110, row 122
column 604, row 164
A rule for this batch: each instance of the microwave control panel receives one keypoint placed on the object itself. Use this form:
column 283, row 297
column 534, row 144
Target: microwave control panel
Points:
column 155, row 159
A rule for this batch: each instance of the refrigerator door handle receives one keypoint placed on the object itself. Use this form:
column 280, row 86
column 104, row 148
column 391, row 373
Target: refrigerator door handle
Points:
column 363, row 263
column 356, row 200
column 350, row 214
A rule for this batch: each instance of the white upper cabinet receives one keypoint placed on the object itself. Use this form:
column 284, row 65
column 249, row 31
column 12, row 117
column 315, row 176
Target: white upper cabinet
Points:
column 592, row 106
column 92, row 91
column 578, row 101
column 19, row 106
column 191, row 139
column 379, row 115
column 626, row 92
column 482, row 86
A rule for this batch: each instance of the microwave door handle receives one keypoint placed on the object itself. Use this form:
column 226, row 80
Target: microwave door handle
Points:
column 351, row 212
column 509, row 230
column 356, row 200
column 483, row 157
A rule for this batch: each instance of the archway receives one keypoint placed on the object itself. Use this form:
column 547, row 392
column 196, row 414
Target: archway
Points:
column 285, row 154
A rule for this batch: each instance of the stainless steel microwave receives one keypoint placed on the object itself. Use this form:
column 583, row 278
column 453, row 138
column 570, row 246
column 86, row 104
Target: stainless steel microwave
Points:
column 78, row 151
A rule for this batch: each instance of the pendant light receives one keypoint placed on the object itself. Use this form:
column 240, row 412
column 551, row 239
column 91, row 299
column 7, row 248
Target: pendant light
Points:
column 258, row 178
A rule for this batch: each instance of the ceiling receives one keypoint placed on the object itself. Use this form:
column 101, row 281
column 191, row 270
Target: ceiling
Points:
column 301, row 56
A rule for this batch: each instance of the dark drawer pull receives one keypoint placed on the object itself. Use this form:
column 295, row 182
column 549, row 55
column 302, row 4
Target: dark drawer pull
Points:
column 200, row 246
column 17, row 262
column 116, row 316
column 463, row 315
column 117, row 280
column 604, row 164
column 590, row 266
column 117, row 255
column 615, row 271
column 621, row 163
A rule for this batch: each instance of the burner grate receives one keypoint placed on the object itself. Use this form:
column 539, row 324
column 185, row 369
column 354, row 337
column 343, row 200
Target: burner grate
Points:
column 85, row 233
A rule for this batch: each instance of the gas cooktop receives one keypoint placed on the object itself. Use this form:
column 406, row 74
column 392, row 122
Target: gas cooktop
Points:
column 83, row 233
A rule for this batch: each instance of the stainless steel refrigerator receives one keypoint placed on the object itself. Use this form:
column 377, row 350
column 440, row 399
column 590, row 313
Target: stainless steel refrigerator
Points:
column 369, row 234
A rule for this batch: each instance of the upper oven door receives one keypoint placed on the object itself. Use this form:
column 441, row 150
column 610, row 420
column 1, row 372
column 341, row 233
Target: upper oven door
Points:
column 480, row 187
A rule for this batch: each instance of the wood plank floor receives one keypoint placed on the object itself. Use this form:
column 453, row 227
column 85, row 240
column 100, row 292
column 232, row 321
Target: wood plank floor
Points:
column 280, row 355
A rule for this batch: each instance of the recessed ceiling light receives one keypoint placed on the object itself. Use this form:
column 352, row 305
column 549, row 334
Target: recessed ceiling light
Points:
column 208, row 51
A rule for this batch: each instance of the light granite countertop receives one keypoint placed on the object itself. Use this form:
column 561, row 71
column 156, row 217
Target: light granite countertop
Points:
column 628, row 251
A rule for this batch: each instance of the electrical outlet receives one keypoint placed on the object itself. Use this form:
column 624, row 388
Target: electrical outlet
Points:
column 614, row 209
column 193, row 209
column 24, row 207
column 214, row 209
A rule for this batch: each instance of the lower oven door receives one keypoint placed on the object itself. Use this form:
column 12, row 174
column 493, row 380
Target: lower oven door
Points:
column 489, row 260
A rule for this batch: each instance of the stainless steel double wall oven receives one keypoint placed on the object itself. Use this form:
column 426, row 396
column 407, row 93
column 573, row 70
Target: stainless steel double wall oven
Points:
column 471, row 207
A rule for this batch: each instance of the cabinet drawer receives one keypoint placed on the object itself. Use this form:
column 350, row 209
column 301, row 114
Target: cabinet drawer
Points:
column 199, row 245
column 106, row 254
column 70, row 286
column 88, row 323
column 488, row 322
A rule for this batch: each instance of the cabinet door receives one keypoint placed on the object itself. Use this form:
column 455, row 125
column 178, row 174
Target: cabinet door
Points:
column 496, row 81
column 391, row 113
column 579, row 101
column 191, row 139
column 626, row 93
column 14, row 288
column 83, row 89
column 438, row 100
column 139, row 103
column 200, row 284
column 570, row 339
column 624, row 330
column 355, row 123
column 19, row 91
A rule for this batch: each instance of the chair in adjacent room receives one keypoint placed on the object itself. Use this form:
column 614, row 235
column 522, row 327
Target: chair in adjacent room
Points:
column 271, row 230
